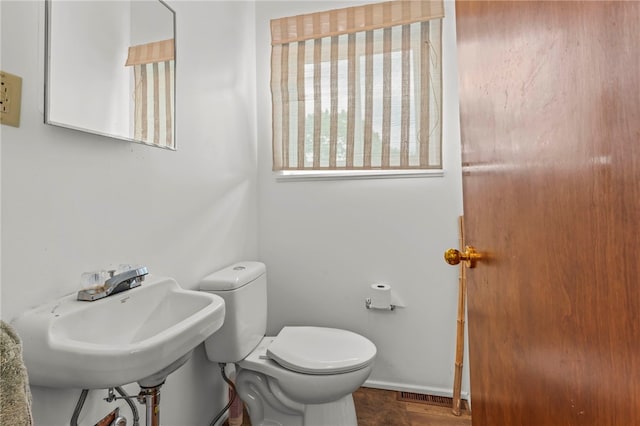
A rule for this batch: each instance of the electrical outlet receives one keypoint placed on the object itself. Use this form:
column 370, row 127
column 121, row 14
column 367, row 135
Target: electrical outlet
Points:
column 10, row 97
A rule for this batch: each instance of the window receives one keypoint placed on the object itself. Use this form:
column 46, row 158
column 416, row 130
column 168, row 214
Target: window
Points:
column 153, row 69
column 358, row 88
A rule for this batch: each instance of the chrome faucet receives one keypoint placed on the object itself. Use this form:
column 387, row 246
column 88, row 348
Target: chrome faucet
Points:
column 117, row 283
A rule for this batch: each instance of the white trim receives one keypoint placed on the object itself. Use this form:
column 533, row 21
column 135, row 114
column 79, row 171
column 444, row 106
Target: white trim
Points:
column 427, row 390
column 304, row 175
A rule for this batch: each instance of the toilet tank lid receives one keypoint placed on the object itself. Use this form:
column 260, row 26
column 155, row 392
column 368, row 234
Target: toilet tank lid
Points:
column 233, row 276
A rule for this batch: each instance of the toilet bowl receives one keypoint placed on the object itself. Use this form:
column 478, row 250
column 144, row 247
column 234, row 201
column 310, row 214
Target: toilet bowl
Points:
column 303, row 376
column 289, row 396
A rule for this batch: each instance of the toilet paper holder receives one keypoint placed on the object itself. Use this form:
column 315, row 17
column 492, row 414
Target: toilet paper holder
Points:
column 380, row 297
column 368, row 305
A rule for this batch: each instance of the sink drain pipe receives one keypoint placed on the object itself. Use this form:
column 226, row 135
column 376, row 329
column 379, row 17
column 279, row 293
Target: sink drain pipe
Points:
column 233, row 397
column 150, row 397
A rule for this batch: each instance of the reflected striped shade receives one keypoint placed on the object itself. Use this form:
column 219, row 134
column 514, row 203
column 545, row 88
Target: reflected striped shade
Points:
column 154, row 70
column 157, row 51
column 153, row 116
column 358, row 88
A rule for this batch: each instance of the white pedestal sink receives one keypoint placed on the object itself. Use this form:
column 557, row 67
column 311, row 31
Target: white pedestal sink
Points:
column 139, row 335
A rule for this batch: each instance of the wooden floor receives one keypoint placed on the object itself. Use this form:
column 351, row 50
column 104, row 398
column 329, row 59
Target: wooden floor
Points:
column 377, row 407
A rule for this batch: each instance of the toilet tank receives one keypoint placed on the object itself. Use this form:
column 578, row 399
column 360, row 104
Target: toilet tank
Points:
column 243, row 286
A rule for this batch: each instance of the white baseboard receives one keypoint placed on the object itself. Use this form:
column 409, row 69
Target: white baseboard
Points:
column 402, row 387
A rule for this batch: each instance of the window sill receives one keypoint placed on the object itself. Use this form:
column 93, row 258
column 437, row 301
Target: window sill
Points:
column 304, row 175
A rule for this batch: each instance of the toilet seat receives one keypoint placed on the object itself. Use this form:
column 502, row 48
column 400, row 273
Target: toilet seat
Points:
column 320, row 350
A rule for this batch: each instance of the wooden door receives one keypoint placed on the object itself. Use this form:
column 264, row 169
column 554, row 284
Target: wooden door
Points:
column 550, row 119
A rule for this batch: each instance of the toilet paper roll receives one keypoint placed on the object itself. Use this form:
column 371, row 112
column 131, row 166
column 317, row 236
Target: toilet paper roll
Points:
column 380, row 296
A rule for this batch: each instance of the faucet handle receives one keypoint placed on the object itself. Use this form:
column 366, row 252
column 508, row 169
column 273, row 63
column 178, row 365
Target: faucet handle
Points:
column 93, row 279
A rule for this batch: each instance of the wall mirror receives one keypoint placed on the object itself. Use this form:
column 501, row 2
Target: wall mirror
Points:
column 110, row 69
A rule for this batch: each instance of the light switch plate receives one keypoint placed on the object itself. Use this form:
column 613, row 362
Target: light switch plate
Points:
column 10, row 97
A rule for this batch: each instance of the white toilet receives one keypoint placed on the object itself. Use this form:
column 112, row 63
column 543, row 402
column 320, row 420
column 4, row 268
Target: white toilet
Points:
column 304, row 376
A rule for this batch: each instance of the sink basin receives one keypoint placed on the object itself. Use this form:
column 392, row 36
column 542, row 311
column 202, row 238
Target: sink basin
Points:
column 138, row 335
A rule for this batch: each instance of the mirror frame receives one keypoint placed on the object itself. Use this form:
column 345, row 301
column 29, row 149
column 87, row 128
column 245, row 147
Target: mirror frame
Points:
column 47, row 85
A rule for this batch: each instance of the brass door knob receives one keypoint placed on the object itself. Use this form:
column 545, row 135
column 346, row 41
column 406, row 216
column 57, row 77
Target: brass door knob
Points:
column 470, row 256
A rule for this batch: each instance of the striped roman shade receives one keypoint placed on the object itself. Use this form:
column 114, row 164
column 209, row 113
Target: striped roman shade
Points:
column 358, row 88
column 154, row 71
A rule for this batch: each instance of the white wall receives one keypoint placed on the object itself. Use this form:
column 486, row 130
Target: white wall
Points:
column 150, row 21
column 74, row 202
column 325, row 242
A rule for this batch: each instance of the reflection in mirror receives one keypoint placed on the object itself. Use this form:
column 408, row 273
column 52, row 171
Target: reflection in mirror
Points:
column 110, row 69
